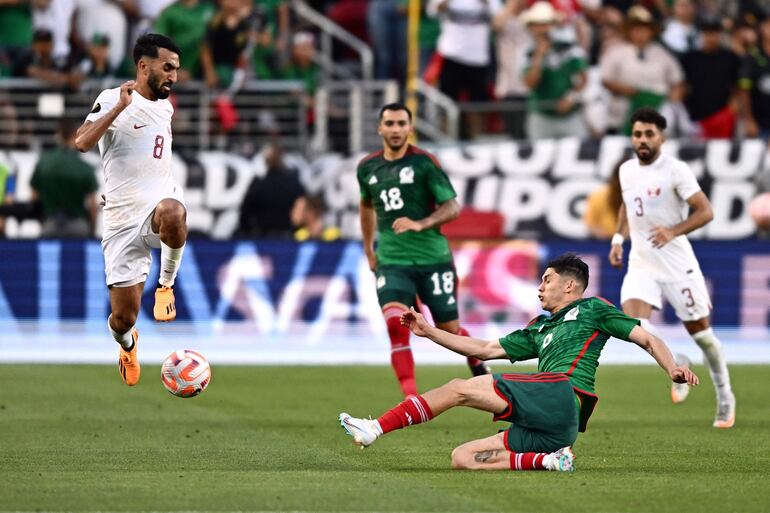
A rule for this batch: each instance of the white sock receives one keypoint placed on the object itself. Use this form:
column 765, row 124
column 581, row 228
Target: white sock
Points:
column 124, row 339
column 170, row 258
column 377, row 427
column 715, row 357
column 650, row 327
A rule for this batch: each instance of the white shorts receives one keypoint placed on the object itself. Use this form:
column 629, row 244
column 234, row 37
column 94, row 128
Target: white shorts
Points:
column 689, row 298
column 127, row 254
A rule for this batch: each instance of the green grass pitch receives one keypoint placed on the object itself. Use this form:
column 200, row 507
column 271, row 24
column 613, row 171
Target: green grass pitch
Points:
column 74, row 438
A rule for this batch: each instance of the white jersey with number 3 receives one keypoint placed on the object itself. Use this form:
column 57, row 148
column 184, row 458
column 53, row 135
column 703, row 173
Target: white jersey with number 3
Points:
column 656, row 195
column 136, row 156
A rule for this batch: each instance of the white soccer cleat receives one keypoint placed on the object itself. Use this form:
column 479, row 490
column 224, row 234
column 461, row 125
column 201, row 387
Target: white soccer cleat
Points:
column 725, row 413
column 562, row 460
column 363, row 431
column 679, row 391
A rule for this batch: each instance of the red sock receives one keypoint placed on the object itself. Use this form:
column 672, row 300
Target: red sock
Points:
column 472, row 362
column 400, row 353
column 412, row 411
column 527, row 460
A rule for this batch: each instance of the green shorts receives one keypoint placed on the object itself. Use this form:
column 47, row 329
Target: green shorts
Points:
column 542, row 409
column 435, row 285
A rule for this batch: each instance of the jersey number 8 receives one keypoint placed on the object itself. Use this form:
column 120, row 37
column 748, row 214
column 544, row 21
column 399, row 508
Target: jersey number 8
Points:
column 157, row 150
column 392, row 199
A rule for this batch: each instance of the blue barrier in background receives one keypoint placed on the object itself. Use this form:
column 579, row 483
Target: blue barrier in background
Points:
column 282, row 281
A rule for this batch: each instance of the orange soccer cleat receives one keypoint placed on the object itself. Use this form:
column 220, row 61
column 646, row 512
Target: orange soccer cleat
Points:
column 128, row 362
column 165, row 306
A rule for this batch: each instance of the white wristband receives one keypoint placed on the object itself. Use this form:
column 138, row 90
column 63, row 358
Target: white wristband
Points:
column 617, row 240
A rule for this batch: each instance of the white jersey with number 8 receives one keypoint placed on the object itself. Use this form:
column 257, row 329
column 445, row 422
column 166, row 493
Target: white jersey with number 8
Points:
column 656, row 195
column 136, row 155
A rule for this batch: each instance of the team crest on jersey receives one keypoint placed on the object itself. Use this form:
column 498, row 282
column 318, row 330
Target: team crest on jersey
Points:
column 406, row 175
column 653, row 192
column 373, row 180
column 572, row 314
column 547, row 340
column 380, row 282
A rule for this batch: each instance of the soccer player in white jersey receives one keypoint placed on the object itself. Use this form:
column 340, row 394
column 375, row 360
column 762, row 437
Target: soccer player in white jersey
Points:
column 142, row 205
column 662, row 203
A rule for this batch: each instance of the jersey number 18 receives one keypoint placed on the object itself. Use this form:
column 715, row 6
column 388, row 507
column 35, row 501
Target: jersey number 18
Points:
column 391, row 199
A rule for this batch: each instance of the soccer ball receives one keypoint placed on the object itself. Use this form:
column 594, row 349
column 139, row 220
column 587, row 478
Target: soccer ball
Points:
column 185, row 373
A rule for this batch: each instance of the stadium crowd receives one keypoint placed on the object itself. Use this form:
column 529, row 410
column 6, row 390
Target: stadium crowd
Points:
column 553, row 67
column 528, row 69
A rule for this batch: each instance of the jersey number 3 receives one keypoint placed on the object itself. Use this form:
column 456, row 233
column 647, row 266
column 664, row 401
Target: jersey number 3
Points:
column 157, row 150
column 639, row 211
column 391, row 199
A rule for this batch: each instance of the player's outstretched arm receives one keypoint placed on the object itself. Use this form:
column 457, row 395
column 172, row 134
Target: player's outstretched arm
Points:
column 446, row 212
column 660, row 351
column 466, row 346
column 368, row 218
column 91, row 131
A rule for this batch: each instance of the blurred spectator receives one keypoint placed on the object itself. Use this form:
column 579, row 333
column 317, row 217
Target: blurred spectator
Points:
column 429, row 31
column 555, row 73
column 602, row 205
column 681, row 34
column 267, row 205
column 610, row 32
column 464, row 46
column 15, row 32
column 66, row 187
column 513, row 43
column 272, row 35
column 40, row 63
column 222, row 53
column 185, row 22
column 56, row 16
column 744, row 35
column 307, row 216
column 754, row 86
column 640, row 73
column 97, row 64
column 105, row 17
column 712, row 77
column 386, row 22
column 302, row 65
column 9, row 123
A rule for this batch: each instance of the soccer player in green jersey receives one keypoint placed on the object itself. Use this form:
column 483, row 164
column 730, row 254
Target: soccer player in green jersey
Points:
column 405, row 197
column 546, row 409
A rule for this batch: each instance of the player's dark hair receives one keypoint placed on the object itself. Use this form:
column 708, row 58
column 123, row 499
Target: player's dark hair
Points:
column 649, row 115
column 396, row 106
column 148, row 45
column 570, row 264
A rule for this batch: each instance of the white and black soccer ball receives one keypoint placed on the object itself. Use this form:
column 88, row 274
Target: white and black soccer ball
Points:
column 185, row 373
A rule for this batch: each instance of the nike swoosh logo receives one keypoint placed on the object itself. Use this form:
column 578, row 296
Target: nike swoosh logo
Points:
column 137, row 127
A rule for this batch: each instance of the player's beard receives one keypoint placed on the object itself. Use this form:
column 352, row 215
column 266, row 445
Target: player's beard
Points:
column 157, row 88
column 396, row 148
column 652, row 154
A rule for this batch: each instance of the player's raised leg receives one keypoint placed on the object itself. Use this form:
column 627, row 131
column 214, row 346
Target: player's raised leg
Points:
column 125, row 303
column 713, row 351
column 476, row 393
column 169, row 220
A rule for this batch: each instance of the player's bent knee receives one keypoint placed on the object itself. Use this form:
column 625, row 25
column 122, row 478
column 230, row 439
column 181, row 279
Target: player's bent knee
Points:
column 171, row 211
column 461, row 458
column 123, row 321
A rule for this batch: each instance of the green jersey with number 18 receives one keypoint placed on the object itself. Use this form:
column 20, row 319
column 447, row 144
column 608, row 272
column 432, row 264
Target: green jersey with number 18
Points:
column 412, row 186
